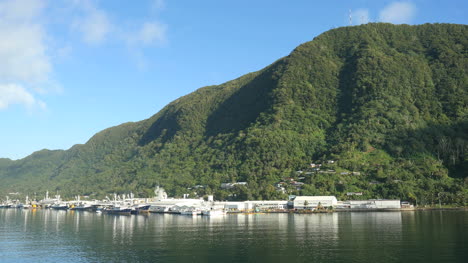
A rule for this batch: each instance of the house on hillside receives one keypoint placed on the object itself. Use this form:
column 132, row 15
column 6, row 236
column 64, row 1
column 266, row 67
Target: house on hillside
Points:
column 232, row 185
column 354, row 193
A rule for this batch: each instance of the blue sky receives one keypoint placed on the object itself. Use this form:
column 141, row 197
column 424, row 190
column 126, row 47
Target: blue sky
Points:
column 71, row 68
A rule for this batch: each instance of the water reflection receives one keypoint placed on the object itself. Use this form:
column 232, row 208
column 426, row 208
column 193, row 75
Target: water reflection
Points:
column 388, row 224
column 66, row 236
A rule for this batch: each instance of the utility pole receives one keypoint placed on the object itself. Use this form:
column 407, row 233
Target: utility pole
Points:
column 440, row 205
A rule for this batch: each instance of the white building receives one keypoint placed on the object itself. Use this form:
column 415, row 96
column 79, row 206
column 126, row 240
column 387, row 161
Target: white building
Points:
column 370, row 204
column 387, row 203
column 165, row 205
column 269, row 205
column 237, row 206
column 305, row 202
column 247, row 206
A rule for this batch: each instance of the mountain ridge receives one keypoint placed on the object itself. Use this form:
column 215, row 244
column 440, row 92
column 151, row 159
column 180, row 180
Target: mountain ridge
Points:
column 356, row 94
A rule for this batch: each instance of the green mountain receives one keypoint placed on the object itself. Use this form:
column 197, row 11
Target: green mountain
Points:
column 387, row 102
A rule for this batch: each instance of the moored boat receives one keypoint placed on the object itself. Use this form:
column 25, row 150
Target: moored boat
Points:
column 214, row 212
column 83, row 207
column 6, row 204
column 142, row 208
column 119, row 210
column 191, row 212
column 59, row 206
column 16, row 205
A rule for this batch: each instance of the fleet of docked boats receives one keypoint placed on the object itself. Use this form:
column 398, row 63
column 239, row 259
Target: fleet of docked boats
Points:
column 160, row 203
column 121, row 205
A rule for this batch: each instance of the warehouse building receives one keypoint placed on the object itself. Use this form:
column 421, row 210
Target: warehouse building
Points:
column 369, row 204
column 309, row 202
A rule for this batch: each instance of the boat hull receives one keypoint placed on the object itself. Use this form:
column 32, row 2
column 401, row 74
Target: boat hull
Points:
column 214, row 213
column 59, row 207
column 78, row 208
column 140, row 209
column 126, row 211
column 190, row 213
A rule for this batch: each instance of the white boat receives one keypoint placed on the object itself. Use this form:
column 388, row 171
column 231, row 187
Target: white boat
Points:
column 59, row 206
column 83, row 207
column 16, row 205
column 214, row 212
column 27, row 204
column 191, row 212
column 6, row 204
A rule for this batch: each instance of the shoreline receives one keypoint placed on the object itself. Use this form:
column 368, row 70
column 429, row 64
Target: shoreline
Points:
column 305, row 212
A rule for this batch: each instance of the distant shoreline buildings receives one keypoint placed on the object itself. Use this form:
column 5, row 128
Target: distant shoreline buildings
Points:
column 162, row 204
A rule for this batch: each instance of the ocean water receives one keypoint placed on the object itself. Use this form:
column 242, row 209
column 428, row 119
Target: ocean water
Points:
column 71, row 236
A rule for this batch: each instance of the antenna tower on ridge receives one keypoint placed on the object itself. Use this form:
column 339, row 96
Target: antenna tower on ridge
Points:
column 350, row 18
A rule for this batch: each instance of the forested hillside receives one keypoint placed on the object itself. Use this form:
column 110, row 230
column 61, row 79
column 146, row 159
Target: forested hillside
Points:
column 382, row 108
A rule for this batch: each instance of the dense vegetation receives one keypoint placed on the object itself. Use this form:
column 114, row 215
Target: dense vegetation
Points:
column 386, row 102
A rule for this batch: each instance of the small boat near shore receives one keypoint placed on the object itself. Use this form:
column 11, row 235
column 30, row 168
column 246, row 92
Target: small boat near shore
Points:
column 6, row 204
column 191, row 212
column 214, row 212
column 17, row 205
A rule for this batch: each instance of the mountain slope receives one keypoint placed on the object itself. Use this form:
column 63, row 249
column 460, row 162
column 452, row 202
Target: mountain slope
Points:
column 389, row 102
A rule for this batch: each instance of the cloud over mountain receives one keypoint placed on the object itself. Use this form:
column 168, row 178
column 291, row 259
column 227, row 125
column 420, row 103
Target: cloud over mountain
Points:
column 398, row 13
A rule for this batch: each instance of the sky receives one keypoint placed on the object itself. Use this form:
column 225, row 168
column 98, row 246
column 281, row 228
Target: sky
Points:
column 71, row 68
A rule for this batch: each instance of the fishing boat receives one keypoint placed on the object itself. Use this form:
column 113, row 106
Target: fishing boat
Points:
column 59, row 206
column 16, row 205
column 6, row 204
column 27, row 204
column 141, row 208
column 119, row 210
column 83, row 207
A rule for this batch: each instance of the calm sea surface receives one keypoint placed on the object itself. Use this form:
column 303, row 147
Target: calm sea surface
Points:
column 68, row 236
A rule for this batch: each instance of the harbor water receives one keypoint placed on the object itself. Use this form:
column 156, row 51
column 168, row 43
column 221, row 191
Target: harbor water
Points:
column 72, row 236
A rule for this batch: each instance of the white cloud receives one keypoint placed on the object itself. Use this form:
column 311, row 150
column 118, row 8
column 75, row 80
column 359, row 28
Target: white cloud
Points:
column 26, row 66
column 398, row 13
column 23, row 53
column 14, row 94
column 150, row 33
column 93, row 24
column 157, row 5
column 28, row 53
column 360, row 16
column 20, row 9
